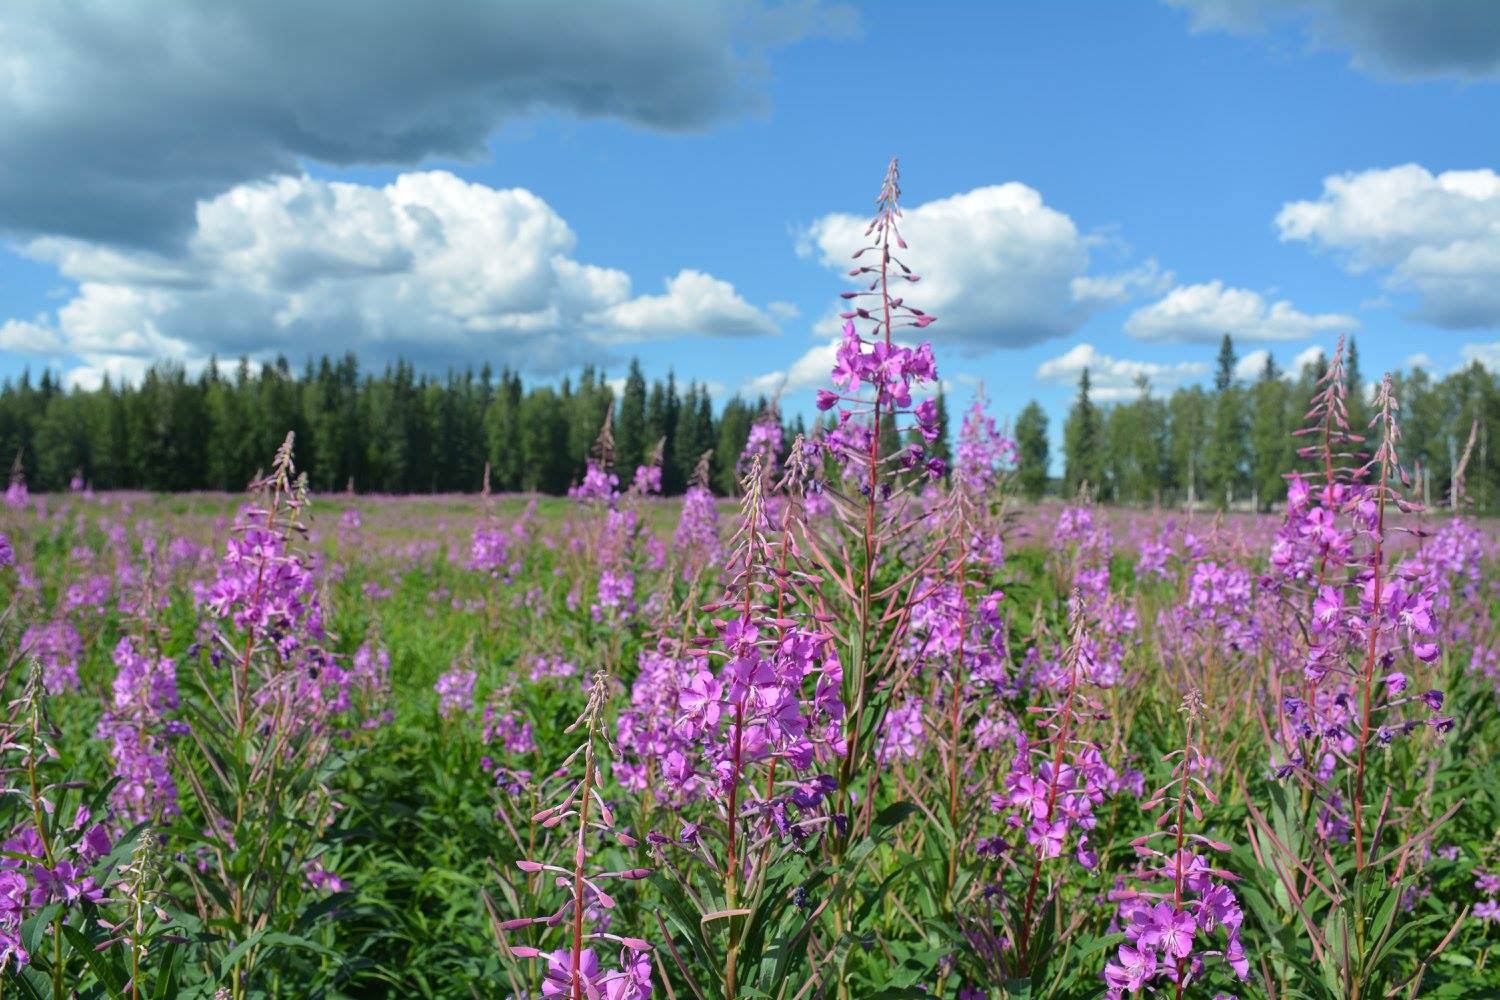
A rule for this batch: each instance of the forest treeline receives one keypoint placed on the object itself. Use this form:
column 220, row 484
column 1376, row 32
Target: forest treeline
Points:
column 1230, row 443
column 402, row 431
column 398, row 431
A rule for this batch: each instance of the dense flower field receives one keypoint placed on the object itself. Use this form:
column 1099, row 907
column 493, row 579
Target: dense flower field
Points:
column 872, row 730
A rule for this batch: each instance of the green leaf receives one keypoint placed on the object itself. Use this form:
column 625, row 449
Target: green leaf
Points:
column 111, row 978
column 229, row 961
column 166, row 978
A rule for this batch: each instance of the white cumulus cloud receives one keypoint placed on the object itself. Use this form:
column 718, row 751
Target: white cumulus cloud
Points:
column 1204, row 313
column 22, row 337
column 1486, row 354
column 1437, row 235
column 1249, row 367
column 1000, row 267
column 812, row 370
column 429, row 266
column 1308, row 356
column 1112, row 379
column 694, row 303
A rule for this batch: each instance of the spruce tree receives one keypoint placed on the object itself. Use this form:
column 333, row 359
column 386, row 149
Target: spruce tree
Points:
column 1227, row 454
column 1034, row 456
column 630, row 424
column 1081, row 441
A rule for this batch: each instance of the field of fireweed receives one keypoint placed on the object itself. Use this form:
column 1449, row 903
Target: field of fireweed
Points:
column 870, row 730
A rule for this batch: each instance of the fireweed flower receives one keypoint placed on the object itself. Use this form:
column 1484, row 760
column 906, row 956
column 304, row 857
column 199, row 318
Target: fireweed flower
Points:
column 1048, row 798
column 489, row 551
column 16, row 494
column 902, row 733
column 658, row 736
column 647, row 480
column 1363, row 617
column 574, row 972
column 616, row 596
column 507, row 735
column 262, row 644
column 696, row 540
column 765, row 689
column 264, row 603
column 320, row 878
column 747, row 716
column 1155, row 552
column 495, row 549
column 137, row 726
column 1181, row 906
column 699, row 522
column 596, row 485
column 1220, row 625
column 764, row 442
column 57, row 646
column 455, row 690
column 365, row 688
column 507, row 727
column 38, row 867
column 265, row 599
column 1082, row 548
column 1487, row 908
column 862, row 500
column 1447, row 566
column 984, row 454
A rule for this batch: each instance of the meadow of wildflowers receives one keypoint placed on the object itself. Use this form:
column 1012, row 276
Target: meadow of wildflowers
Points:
column 873, row 730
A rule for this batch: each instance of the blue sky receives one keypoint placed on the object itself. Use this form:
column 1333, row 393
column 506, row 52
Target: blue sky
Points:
column 548, row 185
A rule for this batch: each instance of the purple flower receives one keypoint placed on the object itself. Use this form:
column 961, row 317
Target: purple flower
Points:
column 455, row 691
column 1170, row 929
column 65, row 883
column 11, row 951
column 1047, row 837
column 1132, row 969
column 137, row 725
column 319, row 877
column 57, row 646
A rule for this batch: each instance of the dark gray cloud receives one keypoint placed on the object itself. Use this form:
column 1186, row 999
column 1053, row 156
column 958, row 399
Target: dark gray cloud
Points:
column 117, row 117
column 1408, row 38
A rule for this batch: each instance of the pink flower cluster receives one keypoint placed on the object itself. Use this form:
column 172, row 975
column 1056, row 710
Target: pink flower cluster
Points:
column 57, row 646
column 136, row 726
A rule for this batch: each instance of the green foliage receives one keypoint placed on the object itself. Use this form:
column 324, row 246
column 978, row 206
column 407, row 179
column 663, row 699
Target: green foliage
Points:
column 1083, row 449
column 426, row 841
column 396, row 431
column 1033, row 455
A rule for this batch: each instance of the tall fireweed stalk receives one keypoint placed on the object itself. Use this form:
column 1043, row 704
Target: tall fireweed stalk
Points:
column 874, row 376
column 1181, row 899
column 75, row 900
column 270, row 703
column 1058, row 777
column 574, row 970
column 1344, row 849
column 958, row 673
column 755, row 731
